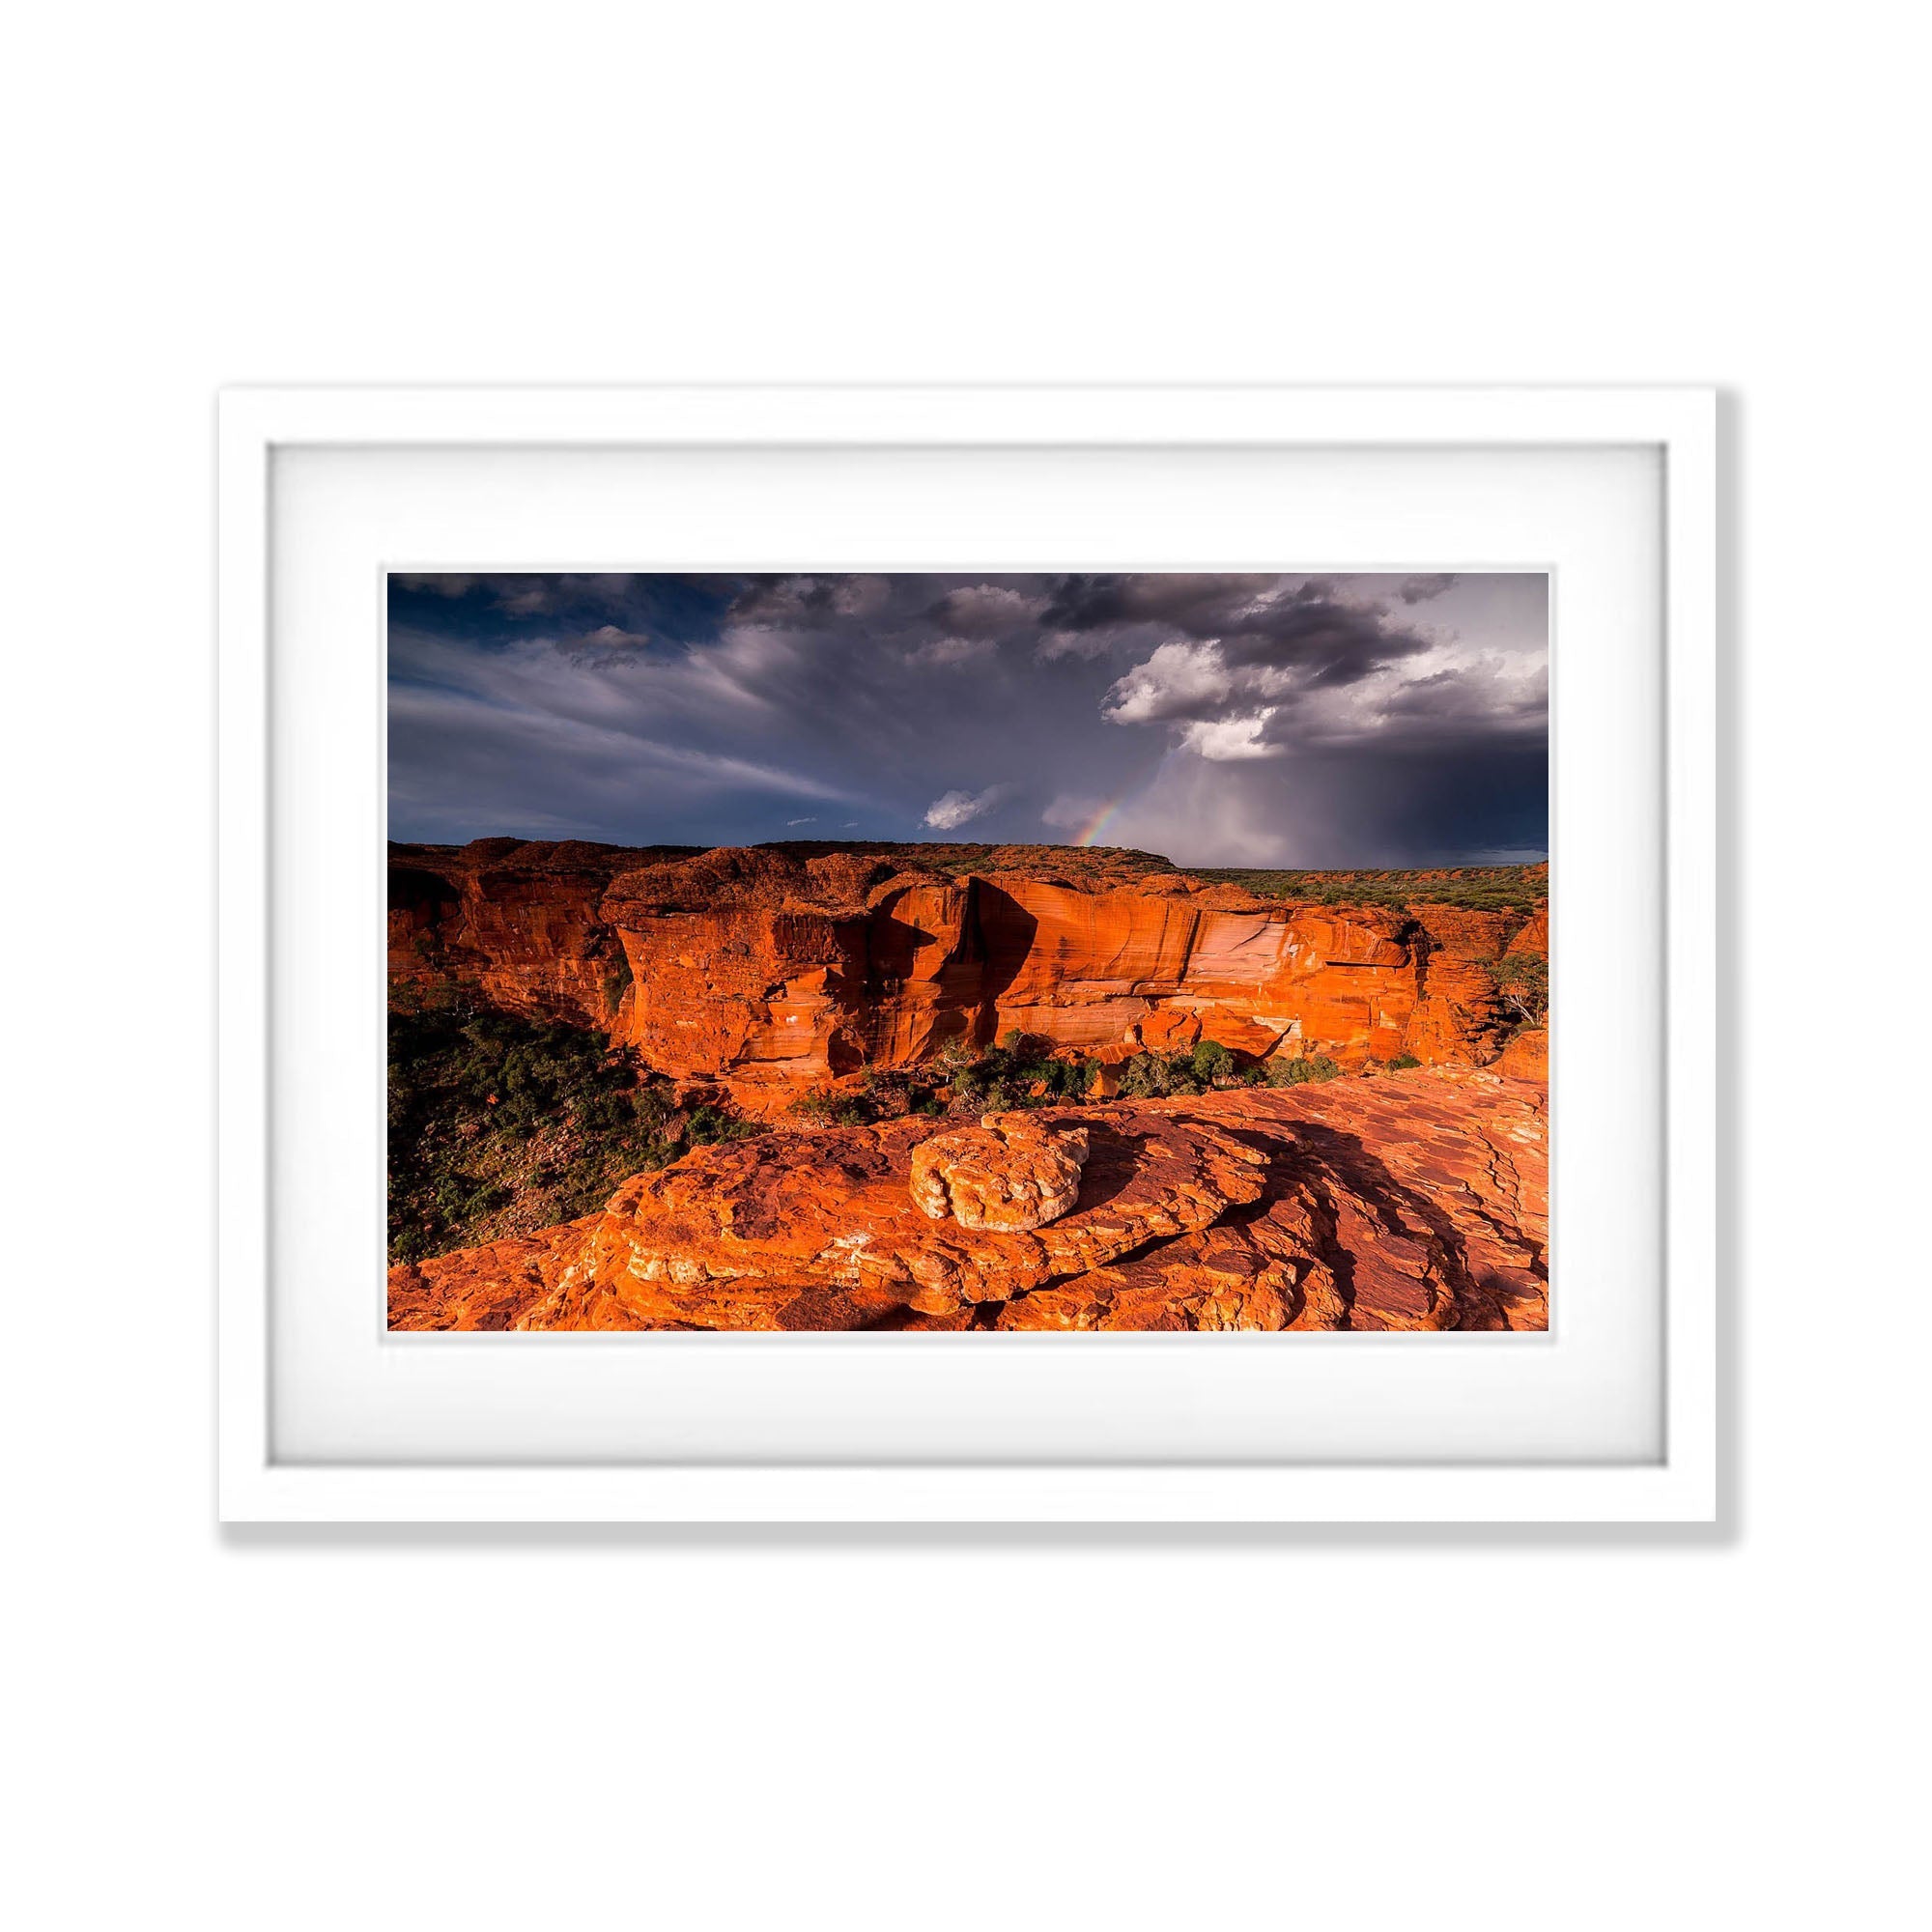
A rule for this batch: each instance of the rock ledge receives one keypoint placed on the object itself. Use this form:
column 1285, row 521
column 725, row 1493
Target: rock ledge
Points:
column 1414, row 1201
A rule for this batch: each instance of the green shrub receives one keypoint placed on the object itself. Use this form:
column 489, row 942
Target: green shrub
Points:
column 1210, row 1058
column 1312, row 1066
column 500, row 1125
column 830, row 1108
column 1159, row 1076
column 708, row 1124
column 892, row 1092
column 1474, row 888
column 1005, row 1076
column 953, row 1055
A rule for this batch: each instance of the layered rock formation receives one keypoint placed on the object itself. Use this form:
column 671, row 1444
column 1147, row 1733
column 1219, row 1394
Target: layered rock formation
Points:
column 1009, row 1174
column 514, row 921
column 769, row 970
column 1415, row 1201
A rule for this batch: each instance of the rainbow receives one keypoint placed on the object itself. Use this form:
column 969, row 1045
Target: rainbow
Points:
column 1098, row 824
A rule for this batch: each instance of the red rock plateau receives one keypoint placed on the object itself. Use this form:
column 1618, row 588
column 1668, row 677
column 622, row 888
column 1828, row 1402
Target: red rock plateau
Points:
column 1408, row 1201
column 769, row 970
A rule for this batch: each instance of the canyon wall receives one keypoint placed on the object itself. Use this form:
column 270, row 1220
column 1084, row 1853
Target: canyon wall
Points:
column 770, row 970
column 515, row 920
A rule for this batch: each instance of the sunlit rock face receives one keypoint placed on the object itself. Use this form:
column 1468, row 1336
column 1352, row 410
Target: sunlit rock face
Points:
column 770, row 971
column 1008, row 1173
column 1408, row 1201
column 515, row 922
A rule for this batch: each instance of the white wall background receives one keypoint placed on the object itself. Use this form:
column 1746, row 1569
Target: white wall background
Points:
column 571, row 1729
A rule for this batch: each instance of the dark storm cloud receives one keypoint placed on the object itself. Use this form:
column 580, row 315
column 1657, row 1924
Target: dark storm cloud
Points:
column 1307, row 625
column 1249, row 718
column 1420, row 590
column 786, row 600
column 1197, row 605
column 1327, row 637
column 1470, row 801
column 985, row 610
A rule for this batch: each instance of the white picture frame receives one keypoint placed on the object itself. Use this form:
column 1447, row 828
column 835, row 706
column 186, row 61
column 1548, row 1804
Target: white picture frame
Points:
column 1678, row 1484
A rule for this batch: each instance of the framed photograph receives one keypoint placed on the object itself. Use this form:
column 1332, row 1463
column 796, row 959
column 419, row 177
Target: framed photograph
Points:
column 834, row 954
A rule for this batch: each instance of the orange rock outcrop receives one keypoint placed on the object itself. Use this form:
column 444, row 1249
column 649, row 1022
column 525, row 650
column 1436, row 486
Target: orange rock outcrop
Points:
column 770, row 969
column 1526, row 1056
column 1008, row 1173
column 1413, row 1201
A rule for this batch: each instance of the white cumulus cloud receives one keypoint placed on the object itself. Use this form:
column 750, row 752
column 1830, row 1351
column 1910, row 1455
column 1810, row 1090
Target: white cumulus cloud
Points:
column 955, row 808
column 1226, row 739
column 1178, row 678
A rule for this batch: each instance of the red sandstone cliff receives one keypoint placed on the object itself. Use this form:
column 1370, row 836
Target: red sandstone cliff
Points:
column 515, row 920
column 769, row 969
column 1414, row 1201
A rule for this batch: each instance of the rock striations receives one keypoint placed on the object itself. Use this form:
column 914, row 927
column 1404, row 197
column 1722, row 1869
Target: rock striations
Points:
column 1009, row 1174
column 1412, row 1201
column 769, row 970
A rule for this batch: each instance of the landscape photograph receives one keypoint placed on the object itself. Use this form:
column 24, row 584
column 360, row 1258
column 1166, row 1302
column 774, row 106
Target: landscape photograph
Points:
column 976, row 953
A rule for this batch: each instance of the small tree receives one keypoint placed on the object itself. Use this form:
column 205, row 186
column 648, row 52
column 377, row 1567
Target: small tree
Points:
column 954, row 1053
column 1154, row 1076
column 1211, row 1058
column 1520, row 982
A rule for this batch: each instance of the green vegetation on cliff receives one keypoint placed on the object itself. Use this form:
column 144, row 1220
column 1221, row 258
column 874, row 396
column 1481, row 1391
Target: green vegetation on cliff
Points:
column 1472, row 888
column 1522, row 985
column 500, row 1125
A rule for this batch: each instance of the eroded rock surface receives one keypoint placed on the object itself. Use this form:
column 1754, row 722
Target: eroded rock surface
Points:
column 1008, row 1174
column 771, row 969
column 1413, row 1201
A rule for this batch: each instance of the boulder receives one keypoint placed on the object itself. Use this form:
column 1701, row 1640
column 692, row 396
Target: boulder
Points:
column 1008, row 1174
